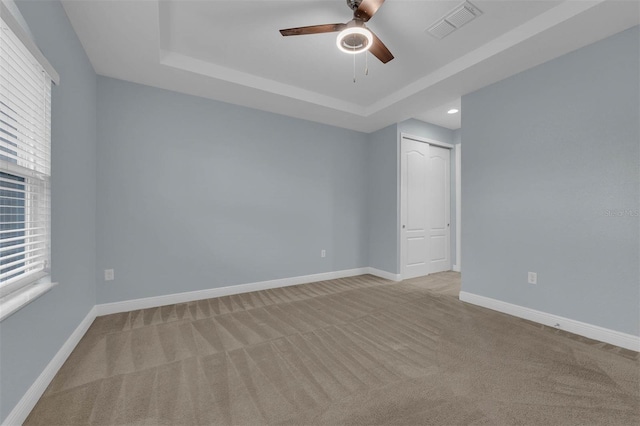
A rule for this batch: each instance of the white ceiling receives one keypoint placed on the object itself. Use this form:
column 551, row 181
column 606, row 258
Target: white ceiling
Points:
column 232, row 51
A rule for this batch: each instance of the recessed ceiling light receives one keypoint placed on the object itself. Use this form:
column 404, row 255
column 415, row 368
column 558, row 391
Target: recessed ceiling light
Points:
column 354, row 40
column 453, row 111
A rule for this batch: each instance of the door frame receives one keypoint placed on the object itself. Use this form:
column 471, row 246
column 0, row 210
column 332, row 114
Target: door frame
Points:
column 400, row 205
column 458, row 185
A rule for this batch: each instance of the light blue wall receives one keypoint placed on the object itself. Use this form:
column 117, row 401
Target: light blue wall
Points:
column 198, row 194
column 457, row 136
column 546, row 154
column 382, row 199
column 426, row 130
column 32, row 336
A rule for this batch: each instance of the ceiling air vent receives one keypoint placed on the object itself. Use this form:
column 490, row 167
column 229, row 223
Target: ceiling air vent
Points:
column 453, row 20
column 441, row 28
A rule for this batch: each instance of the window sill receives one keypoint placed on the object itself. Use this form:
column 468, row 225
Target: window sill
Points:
column 13, row 302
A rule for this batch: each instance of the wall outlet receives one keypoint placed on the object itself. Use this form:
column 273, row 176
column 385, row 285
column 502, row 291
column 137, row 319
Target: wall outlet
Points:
column 109, row 275
column 532, row 278
column 323, row 253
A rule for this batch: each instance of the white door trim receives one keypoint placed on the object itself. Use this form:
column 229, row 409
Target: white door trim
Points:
column 426, row 140
column 458, row 183
column 401, row 250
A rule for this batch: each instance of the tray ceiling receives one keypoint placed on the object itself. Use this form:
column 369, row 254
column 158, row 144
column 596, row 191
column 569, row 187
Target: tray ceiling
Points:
column 232, row 51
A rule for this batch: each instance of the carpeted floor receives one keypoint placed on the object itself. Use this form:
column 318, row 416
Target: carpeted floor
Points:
column 356, row 351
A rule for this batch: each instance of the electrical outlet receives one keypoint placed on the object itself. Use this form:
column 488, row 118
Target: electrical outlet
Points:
column 323, row 253
column 532, row 278
column 109, row 275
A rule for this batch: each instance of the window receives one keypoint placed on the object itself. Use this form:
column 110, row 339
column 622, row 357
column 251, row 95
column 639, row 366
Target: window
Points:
column 25, row 165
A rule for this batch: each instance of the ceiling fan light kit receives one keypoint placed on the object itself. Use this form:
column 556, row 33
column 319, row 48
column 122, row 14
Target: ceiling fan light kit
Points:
column 354, row 40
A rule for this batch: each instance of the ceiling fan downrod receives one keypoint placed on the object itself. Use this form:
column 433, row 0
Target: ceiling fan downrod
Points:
column 353, row 4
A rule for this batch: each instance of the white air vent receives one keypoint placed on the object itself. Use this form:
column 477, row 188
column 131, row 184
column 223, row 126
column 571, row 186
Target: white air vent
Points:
column 461, row 15
column 453, row 20
column 441, row 29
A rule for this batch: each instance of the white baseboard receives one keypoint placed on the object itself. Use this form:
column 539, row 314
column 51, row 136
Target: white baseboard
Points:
column 624, row 340
column 384, row 274
column 170, row 299
column 456, row 268
column 22, row 409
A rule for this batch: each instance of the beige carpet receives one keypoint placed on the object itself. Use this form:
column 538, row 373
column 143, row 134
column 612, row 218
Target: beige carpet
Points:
column 358, row 351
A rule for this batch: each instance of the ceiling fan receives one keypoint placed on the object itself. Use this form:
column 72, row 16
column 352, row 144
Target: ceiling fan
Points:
column 354, row 36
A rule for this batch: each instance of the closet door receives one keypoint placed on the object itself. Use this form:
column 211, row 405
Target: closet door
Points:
column 425, row 208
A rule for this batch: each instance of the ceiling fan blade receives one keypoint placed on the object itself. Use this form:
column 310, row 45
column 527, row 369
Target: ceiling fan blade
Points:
column 379, row 50
column 367, row 9
column 313, row 29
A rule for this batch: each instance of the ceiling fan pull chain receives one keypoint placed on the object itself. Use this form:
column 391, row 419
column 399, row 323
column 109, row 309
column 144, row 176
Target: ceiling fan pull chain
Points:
column 354, row 68
column 366, row 63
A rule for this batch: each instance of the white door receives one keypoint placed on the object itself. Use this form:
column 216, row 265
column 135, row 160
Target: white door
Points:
column 415, row 222
column 424, row 194
column 439, row 202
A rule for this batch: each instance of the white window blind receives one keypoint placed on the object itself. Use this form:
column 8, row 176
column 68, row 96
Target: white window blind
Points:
column 25, row 165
